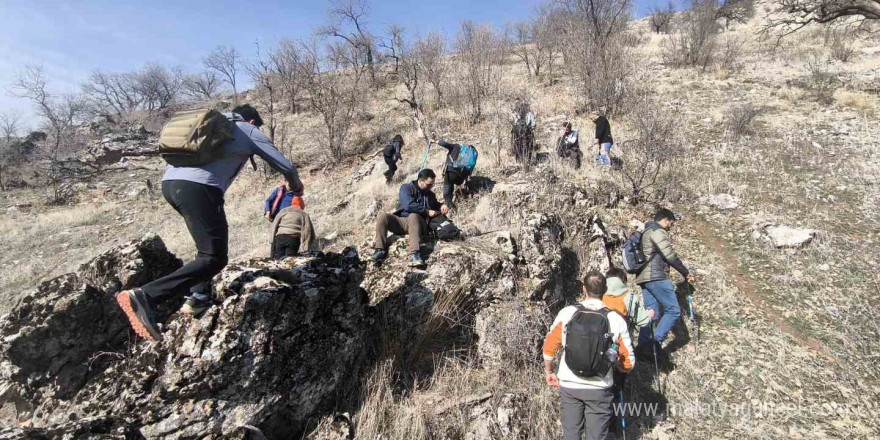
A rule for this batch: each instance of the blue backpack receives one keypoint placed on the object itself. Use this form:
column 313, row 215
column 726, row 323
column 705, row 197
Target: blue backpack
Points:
column 466, row 161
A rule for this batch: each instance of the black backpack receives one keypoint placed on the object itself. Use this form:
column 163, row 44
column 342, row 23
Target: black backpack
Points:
column 443, row 228
column 587, row 337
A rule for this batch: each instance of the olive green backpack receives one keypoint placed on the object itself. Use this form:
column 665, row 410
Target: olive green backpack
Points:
column 194, row 137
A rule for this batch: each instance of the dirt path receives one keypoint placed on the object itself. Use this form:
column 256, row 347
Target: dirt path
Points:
column 746, row 285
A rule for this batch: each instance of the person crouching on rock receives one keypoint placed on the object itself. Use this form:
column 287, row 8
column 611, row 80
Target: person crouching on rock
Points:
column 417, row 204
column 196, row 193
column 291, row 230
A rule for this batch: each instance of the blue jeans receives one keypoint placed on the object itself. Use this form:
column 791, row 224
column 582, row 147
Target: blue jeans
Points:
column 660, row 294
column 603, row 157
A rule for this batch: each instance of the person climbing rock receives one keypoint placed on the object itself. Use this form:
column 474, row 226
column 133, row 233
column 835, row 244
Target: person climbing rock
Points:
column 292, row 230
column 603, row 138
column 568, row 147
column 417, row 205
column 658, row 290
column 460, row 162
column 196, row 193
column 619, row 299
column 280, row 198
column 391, row 153
column 585, row 378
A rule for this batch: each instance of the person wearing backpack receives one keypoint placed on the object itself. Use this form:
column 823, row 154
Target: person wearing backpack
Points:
column 281, row 197
column 603, row 138
column 196, row 193
column 417, row 206
column 391, row 153
column 568, row 146
column 596, row 342
column 522, row 134
column 658, row 290
column 460, row 162
column 619, row 299
column 292, row 230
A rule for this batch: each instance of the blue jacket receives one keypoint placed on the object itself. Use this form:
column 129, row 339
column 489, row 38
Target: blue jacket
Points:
column 286, row 200
column 414, row 200
column 248, row 140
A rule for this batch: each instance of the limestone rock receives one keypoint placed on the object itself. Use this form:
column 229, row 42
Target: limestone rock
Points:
column 788, row 237
column 722, row 202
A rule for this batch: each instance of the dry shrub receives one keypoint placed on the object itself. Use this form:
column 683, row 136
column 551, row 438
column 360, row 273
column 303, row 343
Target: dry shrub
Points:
column 695, row 44
column 840, row 42
column 821, row 80
column 738, row 119
column 383, row 414
column 855, row 100
column 728, row 56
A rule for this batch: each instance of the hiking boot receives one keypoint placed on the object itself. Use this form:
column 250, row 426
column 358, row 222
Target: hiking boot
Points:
column 136, row 306
column 417, row 260
column 195, row 305
column 379, row 256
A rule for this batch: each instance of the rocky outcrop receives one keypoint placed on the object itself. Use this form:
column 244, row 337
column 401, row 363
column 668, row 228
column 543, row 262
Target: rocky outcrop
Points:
column 133, row 141
column 269, row 357
column 782, row 236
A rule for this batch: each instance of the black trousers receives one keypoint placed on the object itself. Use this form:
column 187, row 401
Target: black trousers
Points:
column 285, row 246
column 451, row 179
column 392, row 168
column 201, row 207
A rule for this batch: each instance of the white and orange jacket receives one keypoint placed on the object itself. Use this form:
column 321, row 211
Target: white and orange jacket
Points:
column 556, row 339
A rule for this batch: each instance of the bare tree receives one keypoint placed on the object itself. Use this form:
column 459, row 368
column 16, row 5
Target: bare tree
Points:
column 203, row 85
column 112, row 94
column 524, row 47
column 546, row 28
column 8, row 154
column 652, row 149
column 661, row 18
column 481, row 52
column 268, row 91
column 394, row 45
column 796, row 14
column 226, row 61
column 430, row 51
column 738, row 11
column 60, row 115
column 695, row 43
column 333, row 80
column 158, row 85
column 354, row 15
column 286, row 59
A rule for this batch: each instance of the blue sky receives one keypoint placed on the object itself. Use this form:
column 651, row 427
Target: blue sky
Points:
column 70, row 39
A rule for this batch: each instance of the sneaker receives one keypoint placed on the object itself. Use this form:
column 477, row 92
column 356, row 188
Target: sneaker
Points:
column 196, row 305
column 417, row 260
column 137, row 309
column 378, row 256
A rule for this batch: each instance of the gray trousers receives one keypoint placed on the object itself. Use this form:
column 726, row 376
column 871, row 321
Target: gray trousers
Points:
column 587, row 411
column 412, row 226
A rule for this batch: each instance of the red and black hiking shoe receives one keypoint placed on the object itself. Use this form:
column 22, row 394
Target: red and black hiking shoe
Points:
column 136, row 306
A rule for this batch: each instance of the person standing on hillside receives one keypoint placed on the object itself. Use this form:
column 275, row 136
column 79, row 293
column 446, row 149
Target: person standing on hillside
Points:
column 658, row 291
column 603, row 138
column 196, row 193
column 281, row 197
column 292, row 230
column 455, row 172
column 568, row 146
column 586, row 375
column 417, row 205
column 391, row 153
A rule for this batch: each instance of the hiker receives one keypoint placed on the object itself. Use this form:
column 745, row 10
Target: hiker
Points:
column 658, row 290
column 458, row 168
column 621, row 300
column 568, row 147
column 417, row 205
column 522, row 134
column 603, row 138
column 391, row 153
column 196, row 193
column 596, row 343
column 278, row 199
column 291, row 230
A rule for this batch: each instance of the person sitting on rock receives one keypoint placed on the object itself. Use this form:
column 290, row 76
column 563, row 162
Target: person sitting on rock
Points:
column 417, row 204
column 587, row 398
column 196, row 193
column 292, row 230
column 280, row 198
column 568, row 147
column 391, row 153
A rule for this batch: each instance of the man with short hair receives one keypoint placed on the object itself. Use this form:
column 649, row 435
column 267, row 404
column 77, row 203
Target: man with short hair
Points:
column 603, row 138
column 196, row 193
column 658, row 291
column 586, row 401
column 417, row 205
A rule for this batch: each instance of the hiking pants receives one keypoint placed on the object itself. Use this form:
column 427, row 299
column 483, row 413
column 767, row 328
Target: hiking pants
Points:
column 448, row 190
column 201, row 207
column 413, row 226
column 587, row 411
column 659, row 295
column 284, row 246
column 603, row 157
column 392, row 168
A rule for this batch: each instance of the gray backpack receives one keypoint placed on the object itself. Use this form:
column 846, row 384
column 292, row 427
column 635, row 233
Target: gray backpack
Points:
column 194, row 137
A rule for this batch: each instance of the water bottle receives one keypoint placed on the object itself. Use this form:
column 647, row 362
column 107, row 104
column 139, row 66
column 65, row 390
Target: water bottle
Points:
column 611, row 353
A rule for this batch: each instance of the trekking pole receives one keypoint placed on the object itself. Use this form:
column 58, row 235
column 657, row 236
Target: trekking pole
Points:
column 654, row 344
column 622, row 414
column 696, row 330
column 418, row 120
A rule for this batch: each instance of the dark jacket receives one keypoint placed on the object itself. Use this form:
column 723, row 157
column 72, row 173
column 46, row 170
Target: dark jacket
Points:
column 658, row 247
column 286, row 200
column 414, row 200
column 603, row 130
column 453, row 150
column 392, row 151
